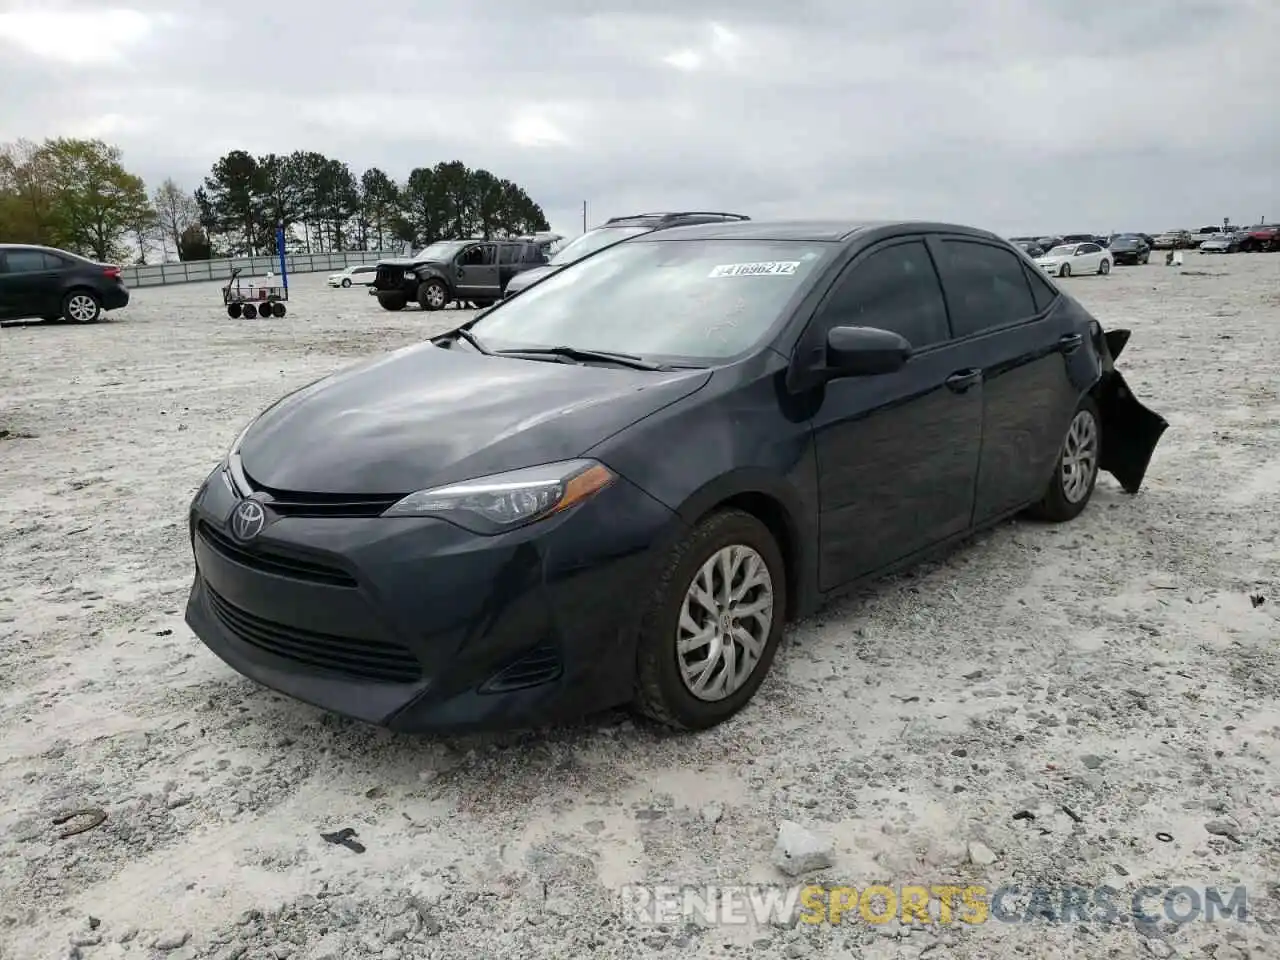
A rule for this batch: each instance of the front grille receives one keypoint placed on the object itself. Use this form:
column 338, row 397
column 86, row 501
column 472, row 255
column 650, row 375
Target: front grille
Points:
column 288, row 503
column 540, row 665
column 374, row 660
column 274, row 563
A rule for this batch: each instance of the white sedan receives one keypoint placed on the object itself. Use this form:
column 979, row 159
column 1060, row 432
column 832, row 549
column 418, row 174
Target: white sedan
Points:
column 1077, row 258
column 361, row 274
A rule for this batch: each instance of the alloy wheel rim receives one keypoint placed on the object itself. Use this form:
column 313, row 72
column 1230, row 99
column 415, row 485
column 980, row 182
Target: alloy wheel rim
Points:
column 725, row 621
column 435, row 296
column 1079, row 457
column 81, row 308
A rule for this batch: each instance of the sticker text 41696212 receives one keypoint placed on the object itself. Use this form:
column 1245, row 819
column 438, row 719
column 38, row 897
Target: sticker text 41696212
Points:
column 768, row 268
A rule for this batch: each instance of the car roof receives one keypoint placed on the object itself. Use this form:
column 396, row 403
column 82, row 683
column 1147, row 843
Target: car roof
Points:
column 668, row 218
column 823, row 231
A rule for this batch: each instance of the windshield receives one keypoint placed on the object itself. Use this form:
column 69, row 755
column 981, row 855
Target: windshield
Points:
column 593, row 240
column 444, row 250
column 1065, row 250
column 699, row 300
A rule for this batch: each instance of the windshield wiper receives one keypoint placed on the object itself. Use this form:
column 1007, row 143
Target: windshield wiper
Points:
column 576, row 353
column 462, row 333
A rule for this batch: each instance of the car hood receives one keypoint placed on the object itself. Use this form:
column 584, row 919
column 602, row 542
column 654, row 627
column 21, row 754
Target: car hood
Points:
column 532, row 275
column 426, row 415
column 407, row 262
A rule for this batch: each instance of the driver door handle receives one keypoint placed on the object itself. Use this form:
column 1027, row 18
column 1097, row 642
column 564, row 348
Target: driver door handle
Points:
column 962, row 380
column 1070, row 342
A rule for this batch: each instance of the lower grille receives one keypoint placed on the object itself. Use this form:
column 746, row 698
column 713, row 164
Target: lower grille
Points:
column 274, row 563
column 374, row 660
column 538, row 666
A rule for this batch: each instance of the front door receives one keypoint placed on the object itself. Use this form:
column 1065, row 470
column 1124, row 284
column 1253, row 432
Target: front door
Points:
column 30, row 284
column 476, row 273
column 897, row 453
column 1024, row 345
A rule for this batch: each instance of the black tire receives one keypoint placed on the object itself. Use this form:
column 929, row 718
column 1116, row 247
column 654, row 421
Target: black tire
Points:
column 234, row 310
column 392, row 301
column 1104, row 267
column 346, row 281
column 1058, row 505
column 660, row 691
column 278, row 310
column 250, row 312
column 1146, row 258
column 81, row 306
column 1064, row 270
column 433, row 295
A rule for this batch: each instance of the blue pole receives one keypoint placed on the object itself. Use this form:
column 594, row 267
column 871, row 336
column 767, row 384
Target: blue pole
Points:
column 284, row 270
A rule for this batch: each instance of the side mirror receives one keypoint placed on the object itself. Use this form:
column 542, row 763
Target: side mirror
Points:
column 865, row 351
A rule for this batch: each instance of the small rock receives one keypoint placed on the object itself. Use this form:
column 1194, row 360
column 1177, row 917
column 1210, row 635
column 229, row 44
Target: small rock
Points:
column 1091, row 762
column 234, row 951
column 172, row 940
column 1228, row 952
column 1222, row 828
column 127, row 935
column 799, row 851
column 712, row 813
column 1157, row 947
column 980, row 854
column 329, row 947
column 796, row 949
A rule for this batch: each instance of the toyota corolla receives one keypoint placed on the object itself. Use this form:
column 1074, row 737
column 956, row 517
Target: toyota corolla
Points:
column 619, row 486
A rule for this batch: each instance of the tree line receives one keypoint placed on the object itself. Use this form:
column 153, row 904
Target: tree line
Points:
column 77, row 195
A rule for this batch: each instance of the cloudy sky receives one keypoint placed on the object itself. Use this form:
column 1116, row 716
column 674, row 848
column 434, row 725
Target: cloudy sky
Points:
column 1016, row 115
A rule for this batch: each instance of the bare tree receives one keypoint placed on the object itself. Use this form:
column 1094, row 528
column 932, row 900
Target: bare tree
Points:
column 177, row 212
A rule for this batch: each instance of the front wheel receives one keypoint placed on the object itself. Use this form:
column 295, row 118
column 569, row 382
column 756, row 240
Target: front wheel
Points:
column 1064, row 270
column 392, row 301
column 432, row 295
column 1076, row 472
column 712, row 624
column 346, row 281
column 81, row 306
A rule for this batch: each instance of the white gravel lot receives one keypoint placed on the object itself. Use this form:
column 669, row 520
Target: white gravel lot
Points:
column 1115, row 665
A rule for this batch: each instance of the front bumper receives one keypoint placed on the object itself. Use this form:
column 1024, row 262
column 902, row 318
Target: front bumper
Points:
column 415, row 624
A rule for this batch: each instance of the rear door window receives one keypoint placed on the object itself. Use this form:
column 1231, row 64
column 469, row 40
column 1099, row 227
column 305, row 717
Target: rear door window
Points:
column 986, row 287
column 26, row 261
column 508, row 253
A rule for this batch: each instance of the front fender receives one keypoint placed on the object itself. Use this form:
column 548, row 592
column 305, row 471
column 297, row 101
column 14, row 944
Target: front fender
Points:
column 1130, row 431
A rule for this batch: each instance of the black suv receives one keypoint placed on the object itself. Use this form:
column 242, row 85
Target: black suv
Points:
column 1130, row 248
column 44, row 283
column 610, row 232
column 466, row 271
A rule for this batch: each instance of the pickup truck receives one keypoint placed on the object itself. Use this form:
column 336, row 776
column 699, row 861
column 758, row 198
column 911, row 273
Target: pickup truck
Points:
column 455, row 271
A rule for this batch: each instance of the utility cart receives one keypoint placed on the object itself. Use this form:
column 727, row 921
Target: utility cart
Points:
column 265, row 298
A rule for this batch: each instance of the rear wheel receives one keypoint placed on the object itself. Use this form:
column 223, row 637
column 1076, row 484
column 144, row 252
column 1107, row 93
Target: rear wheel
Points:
column 1076, row 473
column 712, row 624
column 432, row 295
column 81, row 306
column 392, row 301
column 278, row 310
column 1104, row 267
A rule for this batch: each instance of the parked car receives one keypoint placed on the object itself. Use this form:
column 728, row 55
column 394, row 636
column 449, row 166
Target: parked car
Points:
column 1077, row 238
column 1029, row 247
column 49, row 284
column 469, row 271
column 1129, row 248
column 1173, row 240
column 1223, row 243
column 1264, row 236
column 612, row 231
column 1076, row 258
column 363, row 274
column 618, row 486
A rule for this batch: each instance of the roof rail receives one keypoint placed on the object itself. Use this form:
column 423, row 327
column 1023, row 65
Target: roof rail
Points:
column 678, row 214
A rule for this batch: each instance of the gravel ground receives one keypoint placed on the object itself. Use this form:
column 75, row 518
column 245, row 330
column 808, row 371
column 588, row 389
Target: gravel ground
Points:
column 1116, row 666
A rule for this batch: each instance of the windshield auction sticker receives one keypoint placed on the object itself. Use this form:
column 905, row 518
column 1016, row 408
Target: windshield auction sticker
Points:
column 771, row 268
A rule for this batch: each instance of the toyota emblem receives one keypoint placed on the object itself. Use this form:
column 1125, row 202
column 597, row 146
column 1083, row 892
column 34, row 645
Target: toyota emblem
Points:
column 248, row 519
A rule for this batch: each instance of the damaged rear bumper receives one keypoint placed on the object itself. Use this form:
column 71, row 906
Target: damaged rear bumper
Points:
column 1130, row 431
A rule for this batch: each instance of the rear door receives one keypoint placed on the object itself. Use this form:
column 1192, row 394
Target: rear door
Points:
column 898, row 453
column 476, row 274
column 33, row 283
column 1006, row 312
column 509, row 256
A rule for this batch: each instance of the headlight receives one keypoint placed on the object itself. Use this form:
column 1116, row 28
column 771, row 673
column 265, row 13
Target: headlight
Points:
column 505, row 501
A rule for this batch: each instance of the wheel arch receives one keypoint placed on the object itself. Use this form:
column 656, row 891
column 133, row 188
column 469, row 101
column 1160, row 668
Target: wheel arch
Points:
column 781, row 509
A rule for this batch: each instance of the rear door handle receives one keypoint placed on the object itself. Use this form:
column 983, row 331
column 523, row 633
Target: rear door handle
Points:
column 962, row 380
column 1070, row 342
